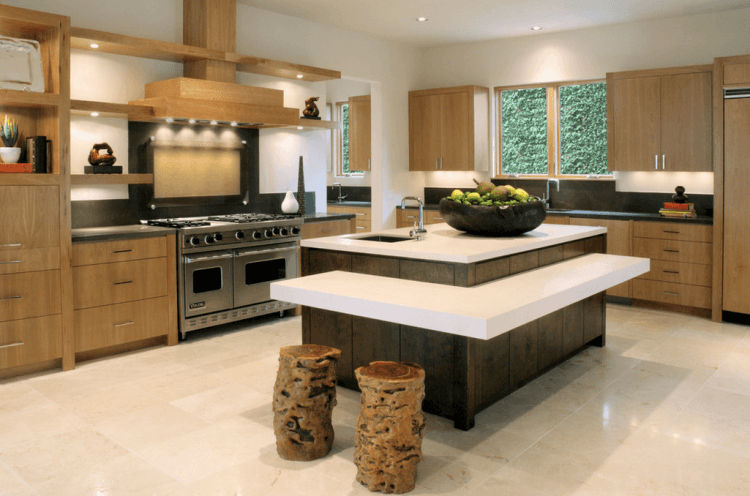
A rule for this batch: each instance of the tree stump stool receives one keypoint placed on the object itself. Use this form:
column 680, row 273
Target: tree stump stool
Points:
column 304, row 397
column 390, row 426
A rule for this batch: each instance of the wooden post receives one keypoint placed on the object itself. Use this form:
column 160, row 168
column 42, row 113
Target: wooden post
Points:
column 303, row 400
column 210, row 24
column 390, row 426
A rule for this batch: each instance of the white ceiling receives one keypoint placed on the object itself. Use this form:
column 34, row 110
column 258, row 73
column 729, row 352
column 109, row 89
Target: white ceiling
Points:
column 455, row 21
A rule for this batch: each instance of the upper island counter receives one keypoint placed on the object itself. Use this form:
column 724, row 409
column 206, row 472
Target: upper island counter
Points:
column 377, row 300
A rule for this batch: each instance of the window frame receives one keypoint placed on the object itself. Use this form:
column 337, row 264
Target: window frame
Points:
column 553, row 131
column 339, row 144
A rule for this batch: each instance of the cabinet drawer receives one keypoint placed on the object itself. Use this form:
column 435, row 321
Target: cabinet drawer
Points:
column 360, row 212
column 673, row 230
column 118, row 251
column 31, row 217
column 30, row 294
column 683, row 273
column 407, row 217
column 34, row 259
column 105, row 284
column 327, row 228
column 668, row 292
column 27, row 341
column 673, row 251
column 433, row 217
column 122, row 323
column 557, row 219
column 364, row 226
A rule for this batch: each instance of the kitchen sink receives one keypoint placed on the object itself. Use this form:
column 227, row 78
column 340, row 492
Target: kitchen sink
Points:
column 383, row 238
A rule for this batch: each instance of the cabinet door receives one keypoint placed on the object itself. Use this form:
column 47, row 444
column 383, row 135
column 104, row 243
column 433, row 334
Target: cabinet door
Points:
column 359, row 133
column 686, row 122
column 424, row 132
column 737, row 217
column 636, row 124
column 618, row 243
column 456, row 138
column 30, row 217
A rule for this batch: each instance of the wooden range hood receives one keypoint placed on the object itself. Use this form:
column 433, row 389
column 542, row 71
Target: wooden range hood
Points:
column 203, row 101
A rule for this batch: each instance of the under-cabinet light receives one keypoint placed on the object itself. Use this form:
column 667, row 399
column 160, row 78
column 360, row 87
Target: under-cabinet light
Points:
column 94, row 114
column 191, row 121
column 536, row 28
column 213, row 123
column 299, row 127
column 233, row 124
column 300, row 76
column 421, row 19
column 94, row 45
column 170, row 120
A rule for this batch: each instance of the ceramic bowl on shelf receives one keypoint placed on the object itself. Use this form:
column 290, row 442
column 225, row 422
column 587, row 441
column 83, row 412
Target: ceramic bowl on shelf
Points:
column 507, row 220
column 10, row 155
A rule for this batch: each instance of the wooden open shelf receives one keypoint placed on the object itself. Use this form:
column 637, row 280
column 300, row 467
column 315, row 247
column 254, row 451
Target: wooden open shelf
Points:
column 14, row 98
column 28, row 179
column 132, row 112
column 321, row 124
column 100, row 179
column 161, row 50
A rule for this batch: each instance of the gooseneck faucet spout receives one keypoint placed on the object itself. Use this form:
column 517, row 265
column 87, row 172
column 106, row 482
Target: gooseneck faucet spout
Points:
column 548, row 199
column 341, row 198
column 418, row 230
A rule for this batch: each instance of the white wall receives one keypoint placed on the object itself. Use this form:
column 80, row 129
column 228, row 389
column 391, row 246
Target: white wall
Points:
column 589, row 54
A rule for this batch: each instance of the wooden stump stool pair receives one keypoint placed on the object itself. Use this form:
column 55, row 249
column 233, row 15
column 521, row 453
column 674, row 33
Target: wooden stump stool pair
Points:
column 390, row 426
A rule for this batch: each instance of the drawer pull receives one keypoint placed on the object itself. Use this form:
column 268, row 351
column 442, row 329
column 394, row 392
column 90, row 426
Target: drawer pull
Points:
column 411, row 216
column 123, row 282
column 11, row 345
column 671, row 271
column 670, row 294
column 360, row 227
column 358, row 214
column 672, row 232
column 11, row 298
column 122, row 251
column 11, row 244
column 12, row 261
column 673, row 251
column 125, row 324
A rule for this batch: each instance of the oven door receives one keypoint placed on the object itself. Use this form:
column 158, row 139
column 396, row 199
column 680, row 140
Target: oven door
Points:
column 208, row 283
column 256, row 268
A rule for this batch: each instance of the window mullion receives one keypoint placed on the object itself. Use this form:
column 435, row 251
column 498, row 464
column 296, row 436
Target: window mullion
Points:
column 552, row 127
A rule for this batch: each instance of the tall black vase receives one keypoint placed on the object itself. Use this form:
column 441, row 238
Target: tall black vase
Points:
column 301, row 189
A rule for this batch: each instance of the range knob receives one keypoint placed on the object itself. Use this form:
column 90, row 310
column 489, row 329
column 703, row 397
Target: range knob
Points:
column 275, row 231
column 209, row 239
column 195, row 240
column 218, row 237
column 239, row 235
column 284, row 231
column 257, row 235
column 295, row 231
column 267, row 233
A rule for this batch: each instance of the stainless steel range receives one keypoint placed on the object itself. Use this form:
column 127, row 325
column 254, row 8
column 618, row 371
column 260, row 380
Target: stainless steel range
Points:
column 227, row 263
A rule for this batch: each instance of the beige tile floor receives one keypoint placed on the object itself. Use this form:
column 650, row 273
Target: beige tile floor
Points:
column 663, row 409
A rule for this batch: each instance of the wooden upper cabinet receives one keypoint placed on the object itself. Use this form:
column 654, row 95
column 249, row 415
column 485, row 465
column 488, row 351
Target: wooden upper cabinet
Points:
column 449, row 129
column 660, row 120
column 360, row 133
column 31, row 217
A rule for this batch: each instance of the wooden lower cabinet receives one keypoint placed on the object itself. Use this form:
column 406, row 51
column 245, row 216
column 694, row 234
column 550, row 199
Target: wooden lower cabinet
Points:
column 408, row 216
column 672, row 293
column 111, row 325
column 29, row 341
column 29, row 294
column 363, row 218
column 119, row 251
column 557, row 219
column 619, row 236
column 105, row 284
column 328, row 228
column 33, row 259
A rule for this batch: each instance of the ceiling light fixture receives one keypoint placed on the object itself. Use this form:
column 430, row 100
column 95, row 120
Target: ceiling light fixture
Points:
column 536, row 28
column 421, row 19
column 94, row 114
column 94, row 45
column 300, row 76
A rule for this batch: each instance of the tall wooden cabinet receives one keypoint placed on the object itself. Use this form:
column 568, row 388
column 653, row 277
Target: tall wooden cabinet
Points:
column 35, row 244
column 360, row 131
column 660, row 120
column 449, row 129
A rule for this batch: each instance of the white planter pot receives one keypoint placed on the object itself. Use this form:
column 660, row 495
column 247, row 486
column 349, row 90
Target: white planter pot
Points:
column 289, row 205
column 10, row 155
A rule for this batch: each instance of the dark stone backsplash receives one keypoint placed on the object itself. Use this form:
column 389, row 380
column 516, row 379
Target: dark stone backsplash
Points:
column 352, row 193
column 590, row 195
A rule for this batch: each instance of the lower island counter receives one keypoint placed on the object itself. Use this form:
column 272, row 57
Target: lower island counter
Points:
column 483, row 316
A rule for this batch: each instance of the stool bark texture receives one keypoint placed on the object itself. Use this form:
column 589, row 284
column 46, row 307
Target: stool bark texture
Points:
column 304, row 397
column 390, row 426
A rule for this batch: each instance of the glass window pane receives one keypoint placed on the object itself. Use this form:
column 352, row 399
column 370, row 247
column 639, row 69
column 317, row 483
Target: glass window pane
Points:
column 524, row 131
column 583, row 129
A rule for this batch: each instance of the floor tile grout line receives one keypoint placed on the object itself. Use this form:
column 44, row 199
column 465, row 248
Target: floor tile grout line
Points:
column 19, row 477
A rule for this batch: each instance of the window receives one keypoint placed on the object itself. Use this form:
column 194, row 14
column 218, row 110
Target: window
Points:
column 342, row 114
column 556, row 129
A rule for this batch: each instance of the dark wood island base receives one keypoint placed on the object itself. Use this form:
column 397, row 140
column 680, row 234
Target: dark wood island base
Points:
column 463, row 375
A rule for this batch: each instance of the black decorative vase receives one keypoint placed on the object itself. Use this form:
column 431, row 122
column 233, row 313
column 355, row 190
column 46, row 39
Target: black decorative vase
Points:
column 301, row 189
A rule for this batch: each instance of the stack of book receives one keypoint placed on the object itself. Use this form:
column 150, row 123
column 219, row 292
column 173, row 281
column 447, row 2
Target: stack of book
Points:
column 681, row 210
column 38, row 157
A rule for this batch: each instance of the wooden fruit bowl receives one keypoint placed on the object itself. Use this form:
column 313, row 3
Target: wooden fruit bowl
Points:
column 507, row 220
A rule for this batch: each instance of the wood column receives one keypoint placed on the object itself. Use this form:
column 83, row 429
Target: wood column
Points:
column 210, row 24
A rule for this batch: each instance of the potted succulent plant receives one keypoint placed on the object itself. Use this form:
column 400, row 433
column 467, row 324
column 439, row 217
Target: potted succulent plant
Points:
column 9, row 134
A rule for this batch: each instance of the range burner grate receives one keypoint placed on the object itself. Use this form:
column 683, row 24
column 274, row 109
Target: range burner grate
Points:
column 243, row 218
column 177, row 223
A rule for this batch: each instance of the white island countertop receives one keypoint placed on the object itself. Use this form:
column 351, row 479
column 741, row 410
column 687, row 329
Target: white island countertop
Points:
column 445, row 244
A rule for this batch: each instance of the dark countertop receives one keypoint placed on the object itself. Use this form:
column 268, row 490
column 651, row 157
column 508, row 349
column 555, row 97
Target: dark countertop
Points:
column 119, row 232
column 701, row 219
column 325, row 216
column 350, row 204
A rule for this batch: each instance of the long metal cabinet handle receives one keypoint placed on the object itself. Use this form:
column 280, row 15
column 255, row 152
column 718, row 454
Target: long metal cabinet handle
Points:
column 214, row 257
column 121, row 251
column 671, row 271
column 11, row 244
column 11, row 262
column 656, row 162
column 662, row 162
column 670, row 294
column 672, row 232
column 436, row 164
column 122, row 282
column 20, row 343
column 17, row 297
column 125, row 324
column 672, row 251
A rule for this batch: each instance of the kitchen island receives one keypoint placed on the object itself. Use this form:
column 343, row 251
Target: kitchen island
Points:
column 426, row 301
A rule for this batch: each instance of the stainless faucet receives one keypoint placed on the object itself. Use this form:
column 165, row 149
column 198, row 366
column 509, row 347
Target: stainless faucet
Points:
column 418, row 231
column 341, row 198
column 548, row 199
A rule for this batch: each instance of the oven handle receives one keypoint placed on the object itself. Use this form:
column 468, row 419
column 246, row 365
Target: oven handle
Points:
column 210, row 257
column 244, row 253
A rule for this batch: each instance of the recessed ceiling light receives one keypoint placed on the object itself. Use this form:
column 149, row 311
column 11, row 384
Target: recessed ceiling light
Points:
column 536, row 28
column 94, row 45
column 300, row 76
column 170, row 120
column 213, row 123
column 94, row 114
column 421, row 19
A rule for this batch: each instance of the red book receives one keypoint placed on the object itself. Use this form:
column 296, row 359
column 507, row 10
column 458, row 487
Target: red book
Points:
column 15, row 168
column 678, row 206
